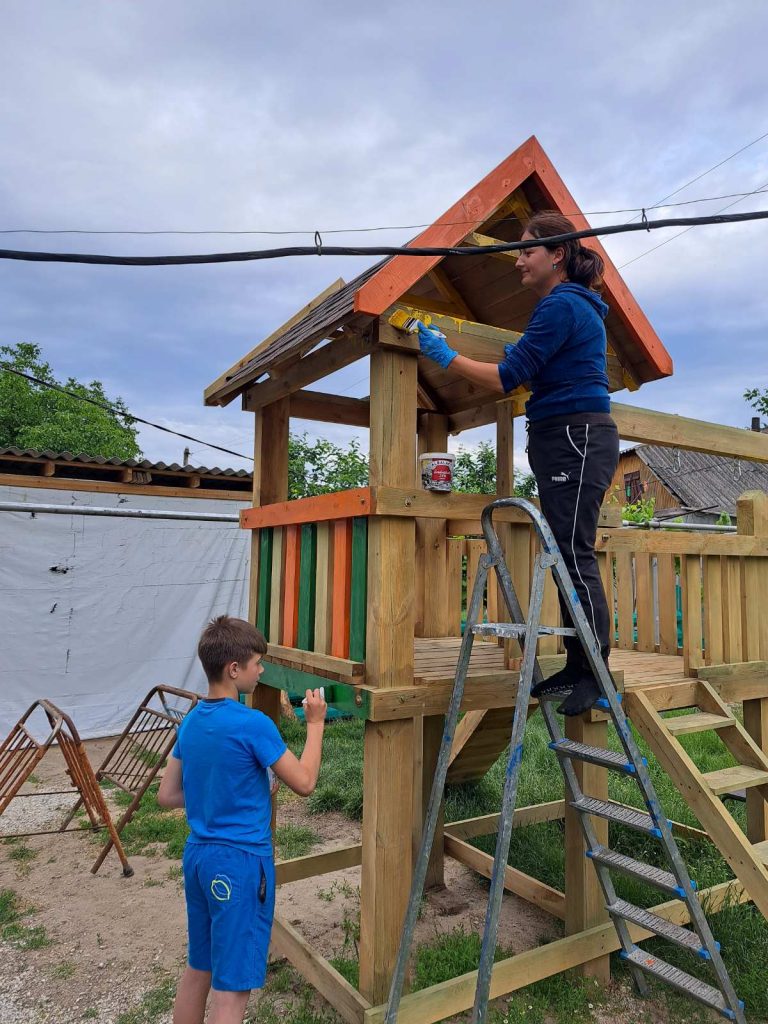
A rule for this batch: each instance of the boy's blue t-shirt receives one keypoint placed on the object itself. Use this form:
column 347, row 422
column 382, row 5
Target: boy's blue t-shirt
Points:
column 225, row 749
column 562, row 354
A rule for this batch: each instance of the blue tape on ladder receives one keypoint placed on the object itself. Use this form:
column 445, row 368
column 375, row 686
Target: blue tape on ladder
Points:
column 703, row 953
column 656, row 833
column 603, row 704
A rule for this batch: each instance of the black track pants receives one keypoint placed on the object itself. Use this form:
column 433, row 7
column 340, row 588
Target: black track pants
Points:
column 574, row 459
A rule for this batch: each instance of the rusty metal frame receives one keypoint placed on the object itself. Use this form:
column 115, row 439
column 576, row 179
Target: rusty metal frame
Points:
column 20, row 753
column 140, row 751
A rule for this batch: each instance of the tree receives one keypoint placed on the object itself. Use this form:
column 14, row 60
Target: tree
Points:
column 474, row 472
column 758, row 399
column 320, row 467
column 34, row 416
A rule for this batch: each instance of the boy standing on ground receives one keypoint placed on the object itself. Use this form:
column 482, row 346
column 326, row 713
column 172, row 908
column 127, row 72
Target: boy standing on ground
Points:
column 218, row 773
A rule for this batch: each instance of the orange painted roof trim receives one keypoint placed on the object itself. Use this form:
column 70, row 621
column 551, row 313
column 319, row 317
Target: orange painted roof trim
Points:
column 401, row 273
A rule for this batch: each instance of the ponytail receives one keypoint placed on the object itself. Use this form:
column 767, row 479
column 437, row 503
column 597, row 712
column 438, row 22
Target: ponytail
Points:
column 582, row 266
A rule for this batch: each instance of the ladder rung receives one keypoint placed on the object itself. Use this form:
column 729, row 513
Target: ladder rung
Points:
column 657, row 877
column 616, row 812
column 740, row 776
column 659, row 926
column 700, row 721
column 594, row 755
column 512, row 630
column 660, row 969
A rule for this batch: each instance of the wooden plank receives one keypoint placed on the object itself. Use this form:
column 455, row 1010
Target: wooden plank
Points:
column 476, row 341
column 714, row 818
column 311, row 661
column 451, row 293
column 357, row 501
column 324, row 361
column 732, row 632
column 740, row 776
column 112, row 487
column 756, row 725
column 530, row 889
column 693, row 626
column 324, row 588
column 605, row 568
column 682, row 543
column 673, row 431
column 264, row 580
column 293, row 870
column 412, row 501
column 291, row 581
column 644, row 603
column 585, row 905
column 342, row 587
column 625, row 599
column 431, row 540
column 667, row 603
column 713, row 609
column 305, row 637
column 276, row 594
column 476, row 238
column 550, row 615
column 453, row 609
column 359, row 589
column 453, row 997
column 210, row 395
column 432, row 730
column 345, row 999
column 488, row 824
column 325, row 408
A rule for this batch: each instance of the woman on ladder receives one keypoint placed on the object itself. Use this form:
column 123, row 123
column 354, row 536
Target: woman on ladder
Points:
column 573, row 444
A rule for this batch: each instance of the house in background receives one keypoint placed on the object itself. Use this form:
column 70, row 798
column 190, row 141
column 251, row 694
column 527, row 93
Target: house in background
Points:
column 695, row 486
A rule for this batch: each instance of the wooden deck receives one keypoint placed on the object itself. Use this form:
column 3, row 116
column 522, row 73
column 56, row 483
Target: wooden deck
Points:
column 435, row 659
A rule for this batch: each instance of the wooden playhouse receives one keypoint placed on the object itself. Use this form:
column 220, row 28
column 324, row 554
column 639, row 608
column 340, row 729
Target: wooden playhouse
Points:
column 361, row 591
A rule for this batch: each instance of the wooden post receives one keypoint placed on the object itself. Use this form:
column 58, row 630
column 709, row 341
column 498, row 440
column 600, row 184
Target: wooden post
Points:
column 505, row 488
column 431, row 545
column 584, row 903
column 389, row 746
column 752, row 519
column 270, row 484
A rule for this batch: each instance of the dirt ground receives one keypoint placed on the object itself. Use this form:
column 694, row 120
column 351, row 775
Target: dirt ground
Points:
column 114, row 939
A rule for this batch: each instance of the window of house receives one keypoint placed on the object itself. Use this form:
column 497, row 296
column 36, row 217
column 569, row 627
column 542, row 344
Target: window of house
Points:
column 633, row 488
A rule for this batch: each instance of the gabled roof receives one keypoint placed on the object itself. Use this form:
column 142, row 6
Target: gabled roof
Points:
column 703, row 481
column 523, row 183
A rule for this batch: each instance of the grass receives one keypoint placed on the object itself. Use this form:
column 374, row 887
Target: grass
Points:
column 564, row 998
column 20, row 853
column 13, row 930
column 294, row 841
column 154, row 1003
column 451, row 955
column 64, row 970
column 539, row 850
column 152, row 826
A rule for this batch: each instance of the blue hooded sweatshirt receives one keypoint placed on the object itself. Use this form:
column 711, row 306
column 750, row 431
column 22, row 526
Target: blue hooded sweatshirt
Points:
column 562, row 355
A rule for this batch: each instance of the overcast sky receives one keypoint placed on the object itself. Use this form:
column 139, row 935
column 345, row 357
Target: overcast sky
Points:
column 194, row 115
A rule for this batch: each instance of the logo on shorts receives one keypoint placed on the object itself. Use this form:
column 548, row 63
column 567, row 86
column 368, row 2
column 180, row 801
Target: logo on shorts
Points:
column 221, row 888
column 561, row 478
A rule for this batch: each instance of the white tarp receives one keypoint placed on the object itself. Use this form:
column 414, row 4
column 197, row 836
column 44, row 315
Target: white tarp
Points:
column 94, row 611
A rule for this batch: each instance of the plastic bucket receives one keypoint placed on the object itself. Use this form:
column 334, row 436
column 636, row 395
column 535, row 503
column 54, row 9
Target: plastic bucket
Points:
column 436, row 470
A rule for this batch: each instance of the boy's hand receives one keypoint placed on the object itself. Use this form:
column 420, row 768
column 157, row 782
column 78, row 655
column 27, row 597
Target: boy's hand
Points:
column 315, row 706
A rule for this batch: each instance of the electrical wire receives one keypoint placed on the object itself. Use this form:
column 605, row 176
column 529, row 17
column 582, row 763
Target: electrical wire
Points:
column 319, row 249
column 118, row 412
column 365, row 230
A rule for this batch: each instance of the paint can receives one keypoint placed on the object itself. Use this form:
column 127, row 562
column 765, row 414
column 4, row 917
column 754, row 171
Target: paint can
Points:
column 437, row 471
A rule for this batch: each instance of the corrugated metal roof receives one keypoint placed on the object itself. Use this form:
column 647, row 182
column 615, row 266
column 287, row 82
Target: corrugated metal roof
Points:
column 699, row 481
column 99, row 460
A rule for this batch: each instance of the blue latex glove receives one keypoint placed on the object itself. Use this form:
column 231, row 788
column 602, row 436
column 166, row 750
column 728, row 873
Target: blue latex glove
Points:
column 434, row 346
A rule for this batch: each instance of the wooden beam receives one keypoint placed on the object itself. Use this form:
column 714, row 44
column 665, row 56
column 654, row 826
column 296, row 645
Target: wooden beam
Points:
column 210, row 395
column 345, row 999
column 306, row 661
column 528, row 888
column 48, row 468
column 62, row 483
column 316, row 405
column 672, row 431
column 475, row 238
column 427, row 304
column 358, row 501
column 453, row 997
column 681, row 542
column 397, row 501
column 318, row 364
column 450, row 292
column 315, row 864
column 488, row 824
column 474, row 340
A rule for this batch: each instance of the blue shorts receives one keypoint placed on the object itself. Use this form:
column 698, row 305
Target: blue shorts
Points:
column 230, row 897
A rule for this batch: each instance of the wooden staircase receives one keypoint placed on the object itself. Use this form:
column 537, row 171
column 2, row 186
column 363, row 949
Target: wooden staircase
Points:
column 646, row 707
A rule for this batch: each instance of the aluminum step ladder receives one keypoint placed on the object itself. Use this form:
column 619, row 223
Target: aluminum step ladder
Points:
column 675, row 882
